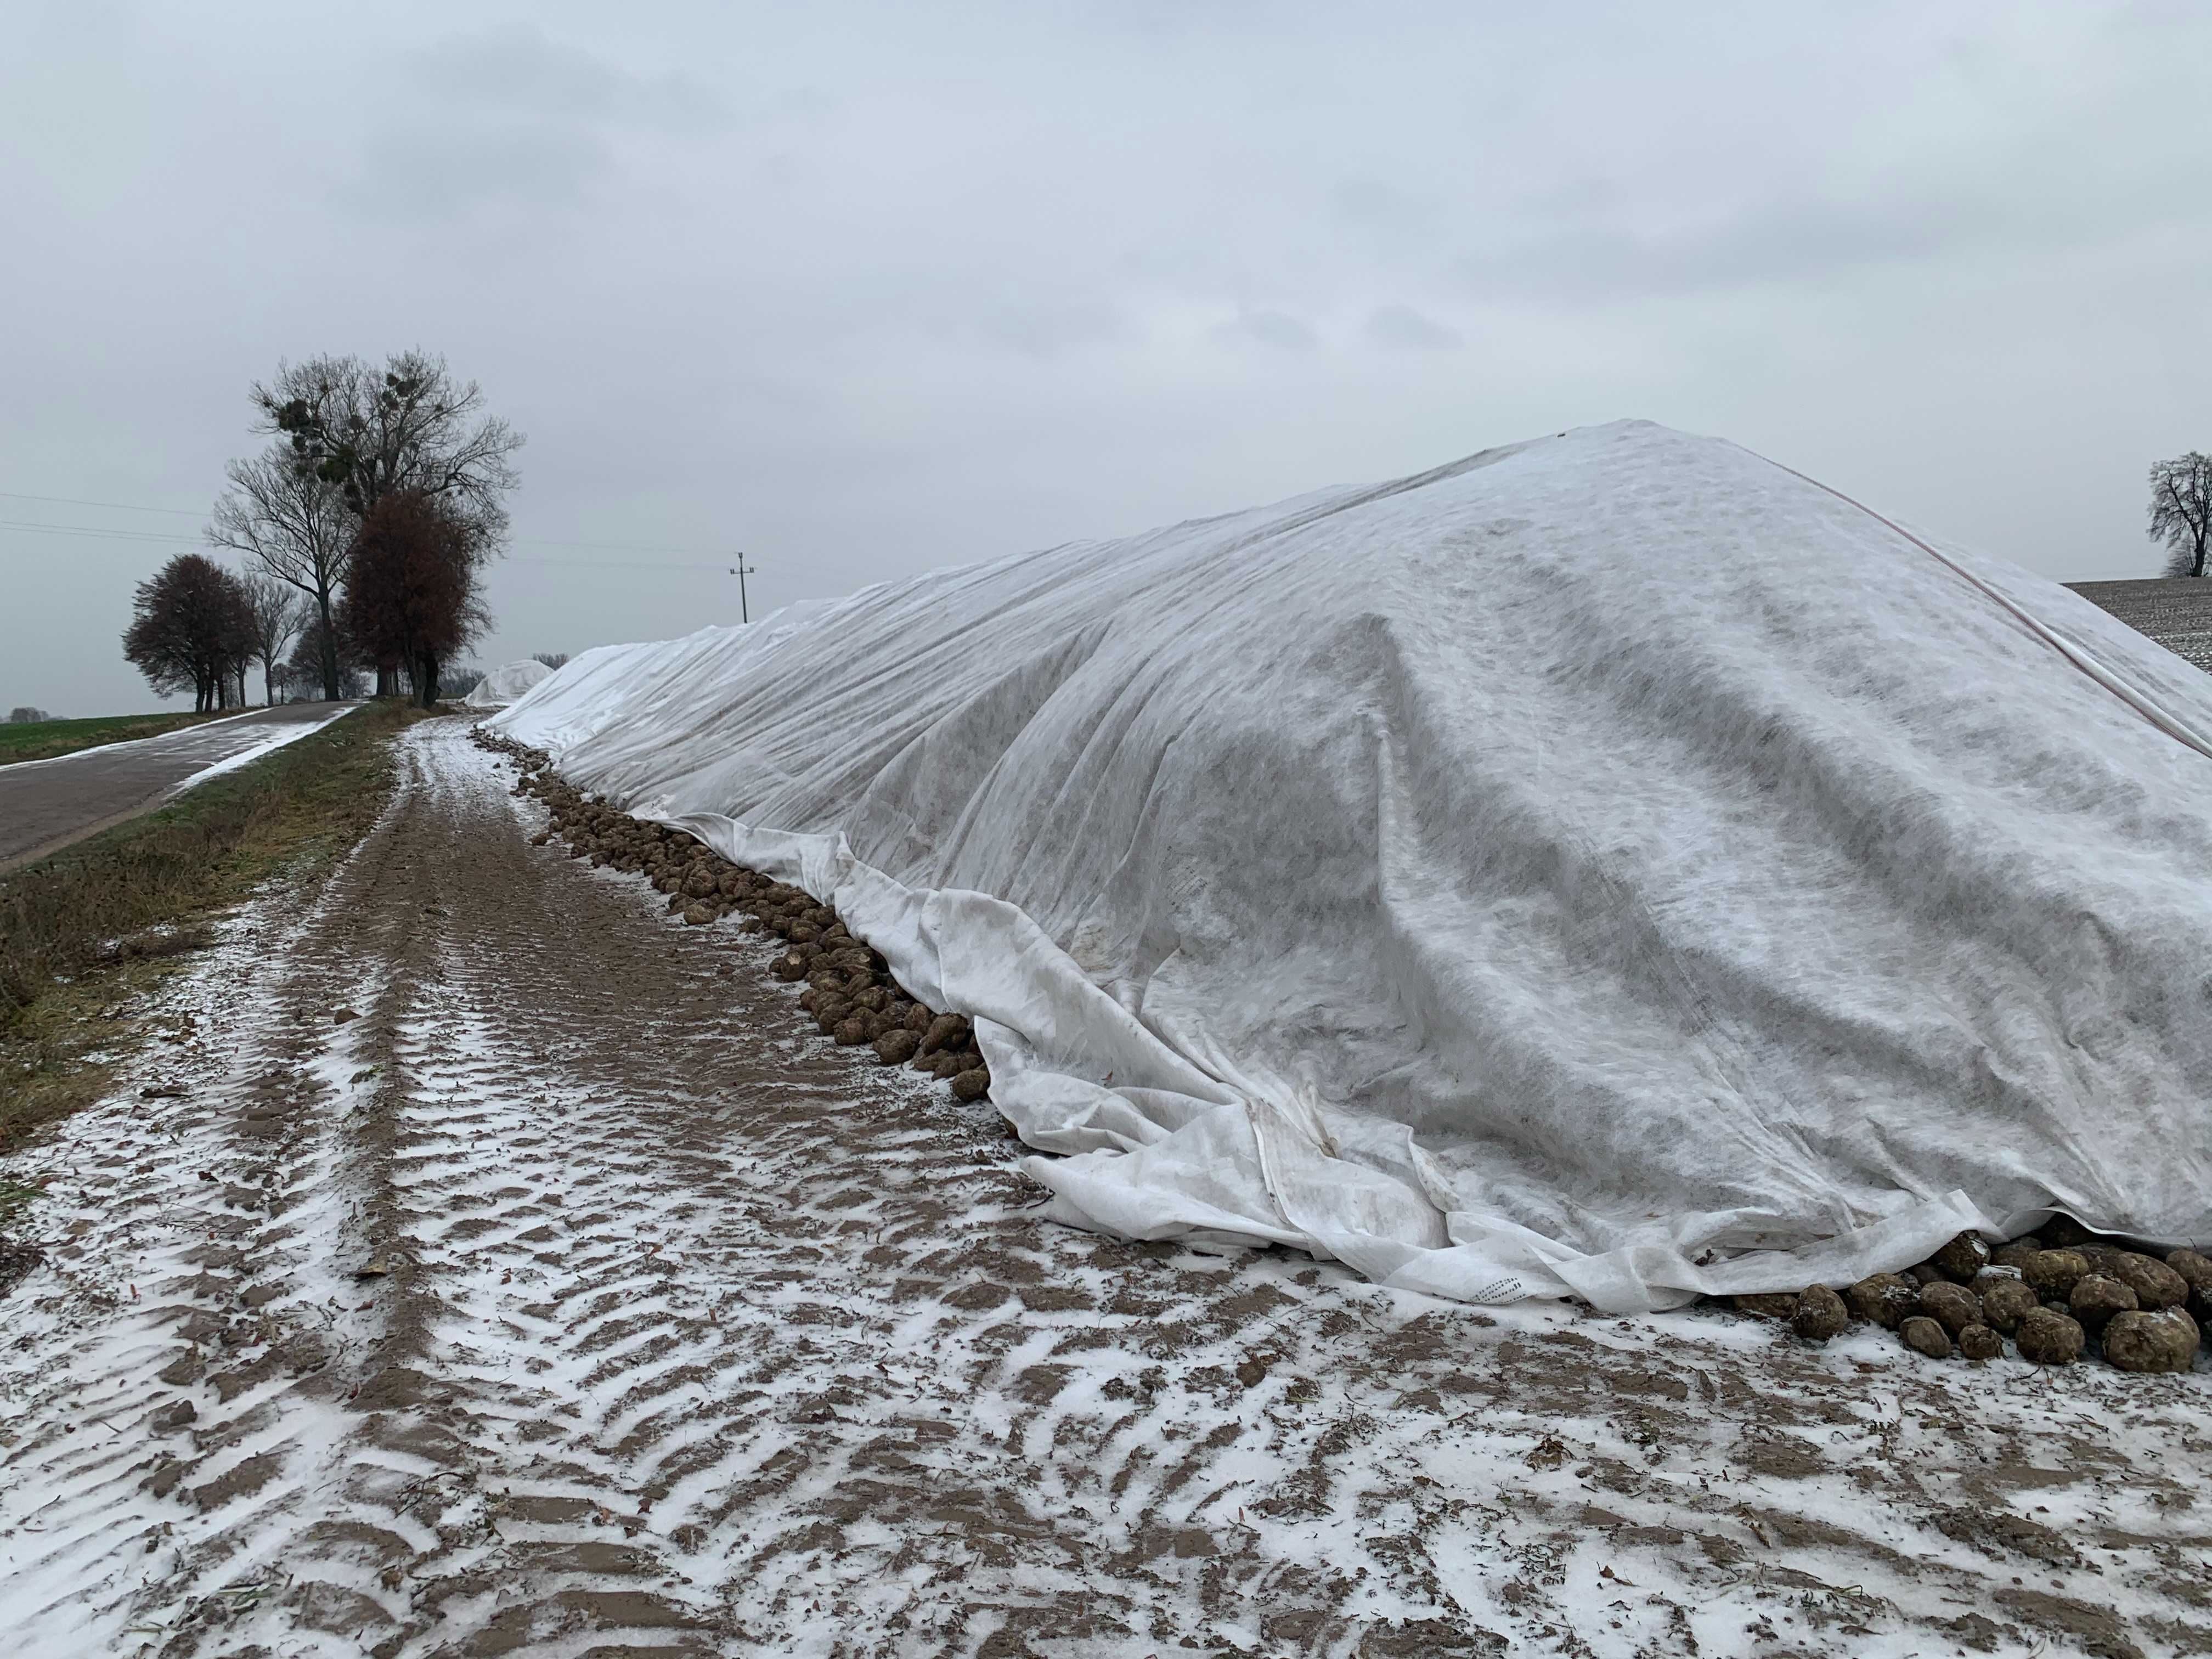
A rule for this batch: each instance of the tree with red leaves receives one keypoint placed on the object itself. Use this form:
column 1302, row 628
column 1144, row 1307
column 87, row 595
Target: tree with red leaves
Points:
column 190, row 625
column 411, row 598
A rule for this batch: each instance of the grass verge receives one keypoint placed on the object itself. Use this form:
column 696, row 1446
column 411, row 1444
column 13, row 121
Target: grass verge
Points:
column 44, row 740
column 85, row 933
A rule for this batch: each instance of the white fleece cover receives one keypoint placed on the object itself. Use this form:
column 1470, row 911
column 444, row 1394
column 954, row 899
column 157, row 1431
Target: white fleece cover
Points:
column 504, row 684
column 1611, row 864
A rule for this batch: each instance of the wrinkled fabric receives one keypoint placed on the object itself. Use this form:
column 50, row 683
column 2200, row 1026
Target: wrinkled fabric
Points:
column 507, row 682
column 1611, row 865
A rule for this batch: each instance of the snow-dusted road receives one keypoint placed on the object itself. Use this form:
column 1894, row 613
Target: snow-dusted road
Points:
column 682, row 1332
column 46, row 805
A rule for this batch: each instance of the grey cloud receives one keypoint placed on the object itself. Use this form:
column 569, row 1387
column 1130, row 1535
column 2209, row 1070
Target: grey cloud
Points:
column 442, row 171
column 518, row 69
column 1277, row 329
column 1376, row 205
column 1401, row 328
column 1046, row 329
column 510, row 116
column 1771, row 241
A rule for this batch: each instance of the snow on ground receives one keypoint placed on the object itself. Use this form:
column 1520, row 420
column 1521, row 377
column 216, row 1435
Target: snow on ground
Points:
column 277, row 738
column 696, row 1335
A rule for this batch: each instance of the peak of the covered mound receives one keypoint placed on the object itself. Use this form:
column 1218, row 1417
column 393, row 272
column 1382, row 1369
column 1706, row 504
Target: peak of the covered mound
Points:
column 1597, row 454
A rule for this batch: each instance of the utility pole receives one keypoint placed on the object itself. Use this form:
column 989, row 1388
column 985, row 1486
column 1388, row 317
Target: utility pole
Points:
column 741, row 570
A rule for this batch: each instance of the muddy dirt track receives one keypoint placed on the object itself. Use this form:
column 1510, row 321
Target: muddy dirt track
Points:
column 514, row 1270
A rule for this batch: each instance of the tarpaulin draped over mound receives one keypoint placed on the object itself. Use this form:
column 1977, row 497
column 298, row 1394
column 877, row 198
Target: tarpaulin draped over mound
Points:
column 505, row 683
column 1613, row 863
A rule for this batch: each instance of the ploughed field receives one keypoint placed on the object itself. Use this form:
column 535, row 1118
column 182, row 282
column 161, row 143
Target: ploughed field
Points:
column 492, row 1262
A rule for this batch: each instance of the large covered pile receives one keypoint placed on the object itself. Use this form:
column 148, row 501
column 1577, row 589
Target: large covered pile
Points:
column 507, row 682
column 1612, row 864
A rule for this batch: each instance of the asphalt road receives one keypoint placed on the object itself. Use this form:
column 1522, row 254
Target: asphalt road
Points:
column 46, row 805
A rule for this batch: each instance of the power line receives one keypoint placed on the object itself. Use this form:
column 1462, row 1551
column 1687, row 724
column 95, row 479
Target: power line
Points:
column 185, row 513
column 80, row 532
column 120, row 507
column 88, row 530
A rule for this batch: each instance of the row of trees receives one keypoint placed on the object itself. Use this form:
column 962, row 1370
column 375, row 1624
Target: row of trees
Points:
column 370, row 514
column 196, row 627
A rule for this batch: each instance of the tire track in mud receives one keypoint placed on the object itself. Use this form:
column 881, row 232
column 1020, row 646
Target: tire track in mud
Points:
column 696, row 1335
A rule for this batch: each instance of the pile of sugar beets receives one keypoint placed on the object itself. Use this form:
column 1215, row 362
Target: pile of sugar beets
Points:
column 2055, row 1294
column 849, row 991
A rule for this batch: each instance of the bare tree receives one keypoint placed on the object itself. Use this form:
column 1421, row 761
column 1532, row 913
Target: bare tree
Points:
column 293, row 524
column 555, row 660
column 276, row 613
column 410, row 426
column 2181, row 512
column 26, row 715
column 308, row 656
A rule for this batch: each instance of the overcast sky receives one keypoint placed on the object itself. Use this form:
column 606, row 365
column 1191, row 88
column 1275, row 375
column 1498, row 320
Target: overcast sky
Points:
column 867, row 289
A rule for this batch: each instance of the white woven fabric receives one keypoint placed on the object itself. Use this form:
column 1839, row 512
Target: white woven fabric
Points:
column 504, row 684
column 1611, row 864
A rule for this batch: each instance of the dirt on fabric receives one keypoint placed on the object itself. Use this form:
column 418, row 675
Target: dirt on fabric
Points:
column 498, row 1265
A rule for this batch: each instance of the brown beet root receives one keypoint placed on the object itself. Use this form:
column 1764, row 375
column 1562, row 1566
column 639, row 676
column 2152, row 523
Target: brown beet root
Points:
column 1924, row 1336
column 897, row 1047
column 1887, row 1299
column 971, row 1085
column 2194, row 1267
column 2052, row 1273
column 1952, row 1306
column 2005, row 1302
column 946, row 1029
column 2095, row 1298
column 2163, row 1341
column 1962, row 1258
column 2049, row 1339
column 2156, row 1285
column 1820, row 1314
column 1979, row 1342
